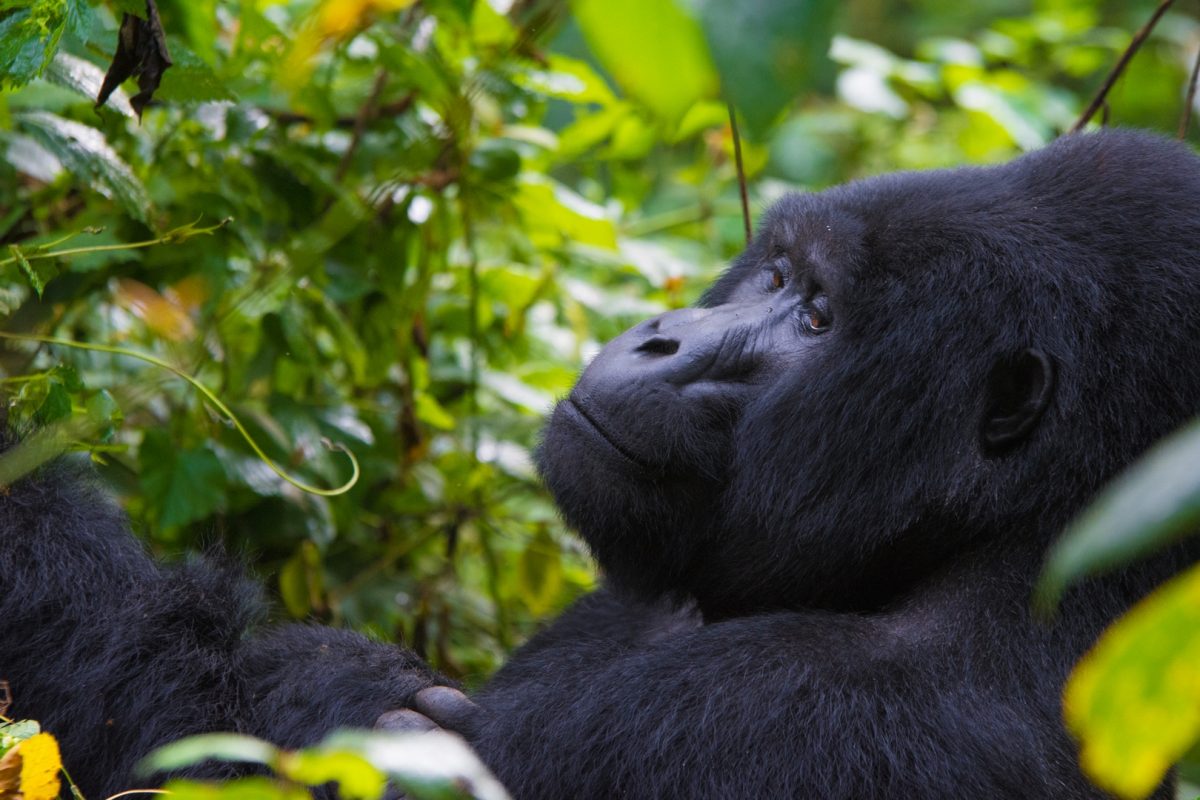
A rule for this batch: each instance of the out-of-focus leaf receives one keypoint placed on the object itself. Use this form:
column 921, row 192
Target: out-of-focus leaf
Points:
column 162, row 315
column 1019, row 120
column 767, row 51
column 141, row 53
column 30, row 158
column 1134, row 700
column 567, row 79
column 539, row 572
column 300, row 580
column 252, row 788
column 653, row 49
column 56, row 405
column 554, row 214
column 86, row 153
column 216, row 746
column 191, row 80
column 186, row 485
column 427, row 766
column 356, row 778
column 1151, row 504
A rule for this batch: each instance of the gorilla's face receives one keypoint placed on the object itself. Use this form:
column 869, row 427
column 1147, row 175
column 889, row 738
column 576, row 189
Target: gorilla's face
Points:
column 894, row 372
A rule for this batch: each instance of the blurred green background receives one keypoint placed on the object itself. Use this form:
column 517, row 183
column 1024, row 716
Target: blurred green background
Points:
column 437, row 211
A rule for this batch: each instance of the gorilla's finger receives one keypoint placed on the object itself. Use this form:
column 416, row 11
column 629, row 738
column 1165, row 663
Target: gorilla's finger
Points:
column 404, row 720
column 450, row 709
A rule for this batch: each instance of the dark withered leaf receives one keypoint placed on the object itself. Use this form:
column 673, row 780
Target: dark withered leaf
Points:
column 141, row 52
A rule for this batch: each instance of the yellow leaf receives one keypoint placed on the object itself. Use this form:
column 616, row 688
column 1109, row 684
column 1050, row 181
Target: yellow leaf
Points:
column 1134, row 700
column 162, row 315
column 39, row 764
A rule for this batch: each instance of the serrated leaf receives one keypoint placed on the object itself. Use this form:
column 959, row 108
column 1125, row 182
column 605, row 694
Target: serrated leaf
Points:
column 30, row 158
column 767, row 51
column 29, row 36
column 185, row 485
column 27, row 269
column 88, row 156
column 653, row 49
column 1151, row 504
column 85, row 78
column 1134, row 700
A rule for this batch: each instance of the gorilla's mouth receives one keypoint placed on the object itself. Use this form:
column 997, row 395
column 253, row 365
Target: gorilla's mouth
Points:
column 585, row 420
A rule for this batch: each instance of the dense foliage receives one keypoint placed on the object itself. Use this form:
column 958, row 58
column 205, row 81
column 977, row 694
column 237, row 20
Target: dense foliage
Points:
column 402, row 226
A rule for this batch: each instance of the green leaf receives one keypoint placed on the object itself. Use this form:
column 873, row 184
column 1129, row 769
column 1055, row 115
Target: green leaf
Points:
column 653, row 49
column 85, row 78
column 427, row 766
column 1134, row 700
column 56, row 406
column 554, row 215
column 87, row 155
column 540, row 572
column 215, row 746
column 191, row 80
column 27, row 269
column 29, row 36
column 1151, row 504
column 767, row 51
column 300, row 580
column 356, row 778
column 185, row 485
column 253, row 788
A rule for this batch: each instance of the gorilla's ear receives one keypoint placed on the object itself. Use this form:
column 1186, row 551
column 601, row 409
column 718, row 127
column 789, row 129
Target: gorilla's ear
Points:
column 1019, row 390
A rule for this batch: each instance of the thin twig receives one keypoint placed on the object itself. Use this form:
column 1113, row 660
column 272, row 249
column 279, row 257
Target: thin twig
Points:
column 285, row 117
column 1119, row 67
column 741, row 172
column 364, row 117
column 1185, row 119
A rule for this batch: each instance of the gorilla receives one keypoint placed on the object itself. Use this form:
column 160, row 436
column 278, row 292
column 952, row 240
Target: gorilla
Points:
column 819, row 499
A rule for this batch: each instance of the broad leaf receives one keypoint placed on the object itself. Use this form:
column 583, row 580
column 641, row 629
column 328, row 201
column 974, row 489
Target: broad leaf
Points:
column 767, row 51
column 186, row 485
column 653, row 49
column 1153, row 503
column 87, row 155
column 1134, row 700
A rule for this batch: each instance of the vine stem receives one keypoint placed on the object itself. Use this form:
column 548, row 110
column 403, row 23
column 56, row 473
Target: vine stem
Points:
column 216, row 403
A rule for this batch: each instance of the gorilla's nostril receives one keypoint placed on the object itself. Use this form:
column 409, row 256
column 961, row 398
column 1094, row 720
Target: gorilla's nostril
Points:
column 659, row 345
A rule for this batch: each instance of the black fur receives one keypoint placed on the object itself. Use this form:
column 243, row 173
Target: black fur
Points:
column 820, row 539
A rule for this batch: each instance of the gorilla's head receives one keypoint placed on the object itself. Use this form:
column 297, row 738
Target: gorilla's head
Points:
column 896, row 373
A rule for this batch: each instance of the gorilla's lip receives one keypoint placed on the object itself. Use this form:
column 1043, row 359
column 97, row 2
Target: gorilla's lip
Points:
column 587, row 421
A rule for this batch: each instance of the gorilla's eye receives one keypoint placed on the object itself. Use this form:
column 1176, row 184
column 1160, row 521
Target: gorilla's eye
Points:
column 778, row 276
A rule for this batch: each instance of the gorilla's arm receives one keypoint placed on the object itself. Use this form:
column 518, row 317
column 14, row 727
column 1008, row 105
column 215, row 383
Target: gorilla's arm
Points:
column 810, row 704
column 116, row 654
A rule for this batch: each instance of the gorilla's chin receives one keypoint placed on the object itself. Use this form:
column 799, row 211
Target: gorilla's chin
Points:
column 642, row 523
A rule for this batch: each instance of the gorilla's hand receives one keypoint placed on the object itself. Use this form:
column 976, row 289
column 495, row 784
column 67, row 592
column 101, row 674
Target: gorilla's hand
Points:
column 437, row 707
